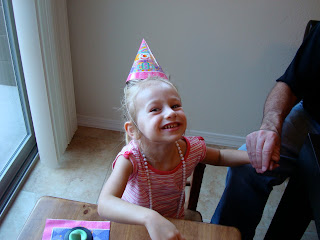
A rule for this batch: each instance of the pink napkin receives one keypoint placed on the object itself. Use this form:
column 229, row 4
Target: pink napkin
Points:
column 55, row 229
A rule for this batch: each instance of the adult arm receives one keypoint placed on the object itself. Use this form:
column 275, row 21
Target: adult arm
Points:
column 301, row 75
column 263, row 146
column 113, row 208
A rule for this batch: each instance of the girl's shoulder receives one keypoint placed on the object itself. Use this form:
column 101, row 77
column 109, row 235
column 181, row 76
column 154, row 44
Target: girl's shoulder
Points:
column 193, row 140
column 131, row 152
column 131, row 149
column 195, row 145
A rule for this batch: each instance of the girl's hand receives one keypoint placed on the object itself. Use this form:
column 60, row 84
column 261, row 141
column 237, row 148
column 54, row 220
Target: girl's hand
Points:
column 160, row 228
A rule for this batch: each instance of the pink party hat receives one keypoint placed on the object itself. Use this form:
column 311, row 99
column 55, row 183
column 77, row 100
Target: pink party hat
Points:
column 145, row 65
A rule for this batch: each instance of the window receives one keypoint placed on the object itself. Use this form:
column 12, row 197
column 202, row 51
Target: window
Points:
column 18, row 149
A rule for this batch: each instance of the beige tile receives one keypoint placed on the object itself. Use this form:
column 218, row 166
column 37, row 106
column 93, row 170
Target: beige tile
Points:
column 312, row 227
column 99, row 133
column 272, row 204
column 260, row 233
column 311, row 232
column 18, row 214
column 211, row 190
column 84, row 158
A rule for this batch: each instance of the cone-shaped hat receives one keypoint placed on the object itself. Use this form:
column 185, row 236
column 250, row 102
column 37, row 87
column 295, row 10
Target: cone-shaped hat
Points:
column 145, row 65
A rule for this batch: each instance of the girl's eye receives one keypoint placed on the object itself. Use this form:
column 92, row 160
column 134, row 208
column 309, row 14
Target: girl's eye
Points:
column 176, row 106
column 154, row 109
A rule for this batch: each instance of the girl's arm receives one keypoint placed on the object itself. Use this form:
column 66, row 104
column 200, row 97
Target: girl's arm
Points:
column 225, row 157
column 113, row 208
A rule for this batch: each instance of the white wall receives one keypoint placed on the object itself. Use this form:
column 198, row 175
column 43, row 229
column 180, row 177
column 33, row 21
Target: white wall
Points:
column 223, row 55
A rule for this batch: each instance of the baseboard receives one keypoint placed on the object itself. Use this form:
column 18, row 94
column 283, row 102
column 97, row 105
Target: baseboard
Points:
column 98, row 122
column 218, row 139
column 211, row 138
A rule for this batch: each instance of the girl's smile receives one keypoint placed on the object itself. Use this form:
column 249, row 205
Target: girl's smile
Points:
column 172, row 126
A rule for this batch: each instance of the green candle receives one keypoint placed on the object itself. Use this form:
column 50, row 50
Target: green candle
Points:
column 78, row 234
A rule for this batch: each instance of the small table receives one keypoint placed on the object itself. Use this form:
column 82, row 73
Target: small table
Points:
column 58, row 208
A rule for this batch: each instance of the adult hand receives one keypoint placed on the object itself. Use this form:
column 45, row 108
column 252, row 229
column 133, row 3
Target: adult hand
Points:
column 162, row 229
column 263, row 148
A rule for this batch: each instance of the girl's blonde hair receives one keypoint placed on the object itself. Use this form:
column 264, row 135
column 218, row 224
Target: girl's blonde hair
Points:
column 131, row 90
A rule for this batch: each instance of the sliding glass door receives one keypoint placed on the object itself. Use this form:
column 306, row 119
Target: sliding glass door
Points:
column 18, row 148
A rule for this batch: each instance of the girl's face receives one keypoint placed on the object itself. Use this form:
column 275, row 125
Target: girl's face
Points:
column 160, row 116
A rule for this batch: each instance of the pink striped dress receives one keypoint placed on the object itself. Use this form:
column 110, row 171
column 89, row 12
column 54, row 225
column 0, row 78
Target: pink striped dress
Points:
column 166, row 186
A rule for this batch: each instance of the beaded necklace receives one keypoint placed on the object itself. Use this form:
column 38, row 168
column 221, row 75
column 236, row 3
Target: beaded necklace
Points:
column 183, row 177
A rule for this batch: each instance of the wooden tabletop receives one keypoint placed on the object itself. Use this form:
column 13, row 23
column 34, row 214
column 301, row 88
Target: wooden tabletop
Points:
column 57, row 208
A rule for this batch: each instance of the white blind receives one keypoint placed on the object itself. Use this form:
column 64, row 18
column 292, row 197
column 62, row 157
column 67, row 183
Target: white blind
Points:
column 43, row 35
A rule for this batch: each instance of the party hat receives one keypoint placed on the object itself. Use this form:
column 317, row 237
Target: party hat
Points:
column 145, row 65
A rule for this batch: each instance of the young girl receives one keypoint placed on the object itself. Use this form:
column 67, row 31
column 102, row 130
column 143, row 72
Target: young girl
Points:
column 149, row 174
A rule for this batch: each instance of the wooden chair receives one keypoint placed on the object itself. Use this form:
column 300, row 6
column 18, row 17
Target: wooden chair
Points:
column 193, row 188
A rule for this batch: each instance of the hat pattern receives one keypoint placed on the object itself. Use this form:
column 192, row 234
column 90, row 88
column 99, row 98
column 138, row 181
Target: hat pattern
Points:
column 145, row 65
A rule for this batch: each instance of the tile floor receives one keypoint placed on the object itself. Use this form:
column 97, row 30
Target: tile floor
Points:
column 88, row 163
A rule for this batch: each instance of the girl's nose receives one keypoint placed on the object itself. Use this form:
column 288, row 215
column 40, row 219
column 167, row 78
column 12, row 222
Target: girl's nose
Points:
column 169, row 113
